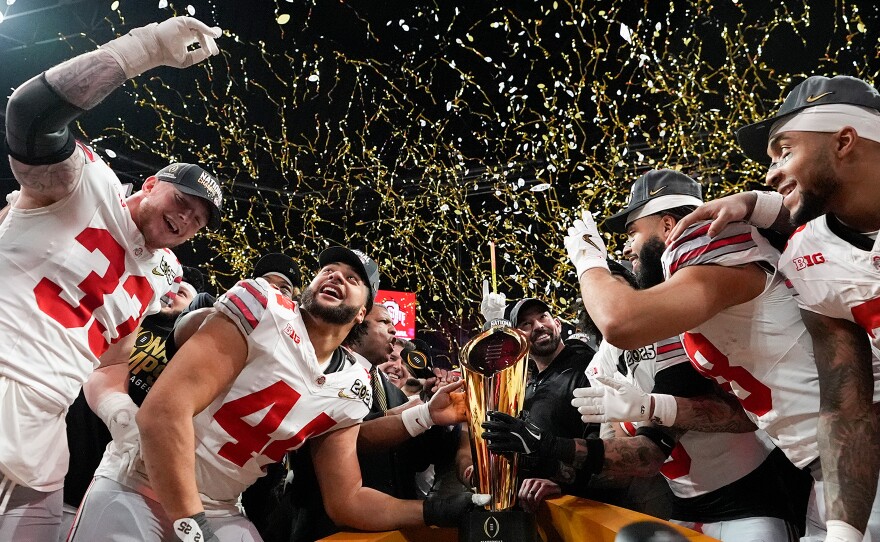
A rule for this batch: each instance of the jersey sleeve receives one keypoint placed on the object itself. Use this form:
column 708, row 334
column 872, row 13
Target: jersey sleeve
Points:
column 738, row 244
column 245, row 304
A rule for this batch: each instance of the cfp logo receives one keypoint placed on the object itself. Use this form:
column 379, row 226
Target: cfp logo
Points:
column 398, row 317
column 803, row 262
column 492, row 527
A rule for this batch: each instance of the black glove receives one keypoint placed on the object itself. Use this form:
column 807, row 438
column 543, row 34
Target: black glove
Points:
column 507, row 434
column 194, row 529
column 448, row 511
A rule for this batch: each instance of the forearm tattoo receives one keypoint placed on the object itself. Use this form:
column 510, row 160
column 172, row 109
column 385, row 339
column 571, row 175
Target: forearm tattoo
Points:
column 849, row 434
column 87, row 79
column 47, row 179
column 624, row 456
column 718, row 413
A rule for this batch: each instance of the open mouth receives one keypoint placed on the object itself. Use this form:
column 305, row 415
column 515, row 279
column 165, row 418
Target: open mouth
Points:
column 171, row 226
column 332, row 291
column 786, row 188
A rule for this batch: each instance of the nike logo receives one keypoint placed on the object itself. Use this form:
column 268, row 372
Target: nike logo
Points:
column 655, row 192
column 811, row 98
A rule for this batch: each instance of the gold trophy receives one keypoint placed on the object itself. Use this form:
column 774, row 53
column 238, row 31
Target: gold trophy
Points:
column 494, row 364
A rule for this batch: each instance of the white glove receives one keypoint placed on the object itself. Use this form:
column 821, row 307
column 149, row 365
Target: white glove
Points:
column 117, row 410
column 611, row 400
column 585, row 246
column 164, row 44
column 492, row 306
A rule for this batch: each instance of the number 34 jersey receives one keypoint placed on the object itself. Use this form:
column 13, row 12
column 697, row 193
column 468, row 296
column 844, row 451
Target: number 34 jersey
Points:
column 77, row 278
column 835, row 278
column 279, row 400
column 759, row 350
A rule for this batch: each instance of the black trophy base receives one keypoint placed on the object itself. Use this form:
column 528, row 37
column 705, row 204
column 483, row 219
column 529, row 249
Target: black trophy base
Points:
column 504, row 526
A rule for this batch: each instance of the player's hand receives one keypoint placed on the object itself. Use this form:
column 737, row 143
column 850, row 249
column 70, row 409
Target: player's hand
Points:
column 533, row 491
column 721, row 212
column 448, row 511
column 118, row 412
column 611, row 400
column 449, row 406
column 165, row 44
column 585, row 246
column 194, row 529
column 507, row 434
column 492, row 306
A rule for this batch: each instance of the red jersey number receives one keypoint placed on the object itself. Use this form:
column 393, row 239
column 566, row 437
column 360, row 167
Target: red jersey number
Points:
column 251, row 440
column 708, row 360
column 95, row 287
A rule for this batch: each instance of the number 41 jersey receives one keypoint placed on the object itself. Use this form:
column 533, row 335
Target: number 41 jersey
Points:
column 836, row 278
column 76, row 278
column 759, row 350
column 279, row 400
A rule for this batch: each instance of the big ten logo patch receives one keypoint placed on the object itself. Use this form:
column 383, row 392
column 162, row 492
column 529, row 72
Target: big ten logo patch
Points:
column 362, row 391
column 809, row 260
column 290, row 332
column 398, row 316
column 147, row 360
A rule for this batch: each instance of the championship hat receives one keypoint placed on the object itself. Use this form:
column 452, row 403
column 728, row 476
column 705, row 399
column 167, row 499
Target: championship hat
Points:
column 278, row 264
column 363, row 264
column 655, row 191
column 195, row 181
column 514, row 310
column 813, row 91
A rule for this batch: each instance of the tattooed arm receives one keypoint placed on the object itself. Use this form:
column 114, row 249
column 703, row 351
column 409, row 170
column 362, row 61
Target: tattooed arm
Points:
column 716, row 413
column 849, row 436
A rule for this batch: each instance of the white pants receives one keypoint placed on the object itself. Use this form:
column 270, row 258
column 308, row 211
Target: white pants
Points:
column 759, row 529
column 112, row 511
column 30, row 515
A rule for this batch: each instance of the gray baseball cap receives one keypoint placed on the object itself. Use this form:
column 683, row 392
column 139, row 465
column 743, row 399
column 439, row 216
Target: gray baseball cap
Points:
column 815, row 90
column 363, row 264
column 653, row 185
column 275, row 262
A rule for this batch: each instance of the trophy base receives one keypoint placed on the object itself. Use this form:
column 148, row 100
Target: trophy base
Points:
column 502, row 526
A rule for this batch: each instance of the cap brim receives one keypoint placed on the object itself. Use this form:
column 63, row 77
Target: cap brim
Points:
column 522, row 305
column 617, row 222
column 213, row 211
column 753, row 139
column 344, row 255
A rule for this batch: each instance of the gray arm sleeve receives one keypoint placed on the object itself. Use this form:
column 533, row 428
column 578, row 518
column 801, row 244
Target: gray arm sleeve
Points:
column 36, row 124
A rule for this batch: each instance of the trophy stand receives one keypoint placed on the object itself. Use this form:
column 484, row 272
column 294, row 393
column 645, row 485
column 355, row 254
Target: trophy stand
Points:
column 494, row 364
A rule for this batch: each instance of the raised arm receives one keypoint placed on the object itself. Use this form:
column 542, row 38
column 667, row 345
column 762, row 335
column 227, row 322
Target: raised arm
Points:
column 41, row 147
column 761, row 209
column 849, row 433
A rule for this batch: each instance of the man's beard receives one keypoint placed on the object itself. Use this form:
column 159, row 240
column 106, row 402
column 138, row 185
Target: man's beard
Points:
column 650, row 268
column 340, row 315
column 814, row 203
column 548, row 348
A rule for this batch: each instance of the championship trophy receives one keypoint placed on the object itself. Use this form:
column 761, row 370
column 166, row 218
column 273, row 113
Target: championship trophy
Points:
column 494, row 364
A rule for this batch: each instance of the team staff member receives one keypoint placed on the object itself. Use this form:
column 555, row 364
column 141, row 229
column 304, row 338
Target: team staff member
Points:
column 259, row 378
column 824, row 143
column 72, row 308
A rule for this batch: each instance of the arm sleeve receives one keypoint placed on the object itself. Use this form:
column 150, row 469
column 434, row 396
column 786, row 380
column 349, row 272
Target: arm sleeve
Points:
column 738, row 244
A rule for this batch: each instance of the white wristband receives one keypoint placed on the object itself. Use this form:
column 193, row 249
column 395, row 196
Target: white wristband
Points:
column 767, row 208
column 417, row 420
column 116, row 408
column 841, row 531
column 665, row 409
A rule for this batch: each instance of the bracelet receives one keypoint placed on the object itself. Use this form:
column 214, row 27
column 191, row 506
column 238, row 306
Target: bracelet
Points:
column 665, row 409
column 841, row 531
column 417, row 419
column 767, row 208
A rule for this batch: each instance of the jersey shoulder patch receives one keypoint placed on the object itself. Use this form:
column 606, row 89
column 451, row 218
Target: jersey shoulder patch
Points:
column 245, row 304
column 735, row 245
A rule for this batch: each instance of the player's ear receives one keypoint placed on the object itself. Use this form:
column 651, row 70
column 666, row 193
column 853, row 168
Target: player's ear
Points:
column 360, row 315
column 668, row 223
column 150, row 183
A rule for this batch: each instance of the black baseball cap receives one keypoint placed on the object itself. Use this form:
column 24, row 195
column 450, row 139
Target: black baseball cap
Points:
column 813, row 91
column 363, row 264
column 275, row 262
column 195, row 181
column 654, row 185
column 514, row 310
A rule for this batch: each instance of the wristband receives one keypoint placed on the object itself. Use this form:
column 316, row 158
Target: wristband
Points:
column 417, row 420
column 665, row 409
column 658, row 437
column 767, row 208
column 841, row 531
column 117, row 411
column 595, row 455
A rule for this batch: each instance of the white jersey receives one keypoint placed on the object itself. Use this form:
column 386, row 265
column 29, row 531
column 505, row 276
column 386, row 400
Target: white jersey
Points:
column 77, row 278
column 758, row 350
column 700, row 462
column 835, row 278
column 279, row 400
